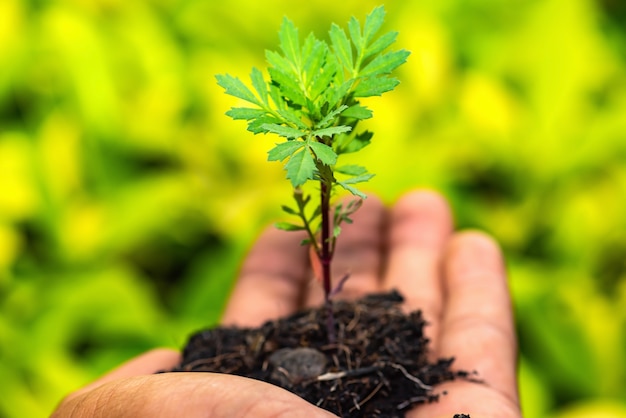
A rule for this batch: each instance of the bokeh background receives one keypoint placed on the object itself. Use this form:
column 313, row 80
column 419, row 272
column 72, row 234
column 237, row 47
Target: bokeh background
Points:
column 127, row 198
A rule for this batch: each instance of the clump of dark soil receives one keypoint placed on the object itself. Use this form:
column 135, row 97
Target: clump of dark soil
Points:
column 378, row 366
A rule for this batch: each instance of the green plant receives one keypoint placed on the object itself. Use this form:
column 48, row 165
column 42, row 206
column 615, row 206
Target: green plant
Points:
column 313, row 101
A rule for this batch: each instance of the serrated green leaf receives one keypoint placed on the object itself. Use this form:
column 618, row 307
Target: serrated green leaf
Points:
column 380, row 44
column 312, row 110
column 338, row 93
column 292, row 117
column 354, row 28
column 358, row 179
column 357, row 112
column 235, row 87
column 384, row 64
column 349, row 144
column 373, row 22
column 324, row 78
column 285, row 131
column 314, row 59
column 330, row 117
column 259, row 84
column 333, row 130
column 277, row 97
column 336, row 231
column 289, row 42
column 323, row 152
column 300, row 167
column 256, row 125
column 286, row 226
column 351, row 170
column 284, row 150
column 280, row 63
column 352, row 190
column 288, row 87
column 245, row 113
column 375, row 86
column 341, row 46
column 308, row 46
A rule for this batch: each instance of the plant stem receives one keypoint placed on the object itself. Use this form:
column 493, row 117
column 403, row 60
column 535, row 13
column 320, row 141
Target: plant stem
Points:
column 326, row 255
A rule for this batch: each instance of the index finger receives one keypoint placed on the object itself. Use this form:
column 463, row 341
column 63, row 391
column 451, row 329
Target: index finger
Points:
column 272, row 280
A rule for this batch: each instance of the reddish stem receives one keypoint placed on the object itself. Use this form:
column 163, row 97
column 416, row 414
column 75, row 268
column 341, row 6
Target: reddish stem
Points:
column 326, row 256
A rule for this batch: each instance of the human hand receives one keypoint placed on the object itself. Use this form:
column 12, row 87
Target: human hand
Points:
column 456, row 279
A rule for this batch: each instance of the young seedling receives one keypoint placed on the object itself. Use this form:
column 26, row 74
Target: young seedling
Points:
column 312, row 100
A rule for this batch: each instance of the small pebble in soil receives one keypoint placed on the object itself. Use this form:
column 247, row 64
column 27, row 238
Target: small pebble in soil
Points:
column 295, row 365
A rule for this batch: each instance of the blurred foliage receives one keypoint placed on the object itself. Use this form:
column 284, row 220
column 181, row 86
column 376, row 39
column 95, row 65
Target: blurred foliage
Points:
column 127, row 198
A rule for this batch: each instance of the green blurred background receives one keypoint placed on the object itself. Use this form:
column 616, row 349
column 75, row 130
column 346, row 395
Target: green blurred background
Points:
column 127, row 198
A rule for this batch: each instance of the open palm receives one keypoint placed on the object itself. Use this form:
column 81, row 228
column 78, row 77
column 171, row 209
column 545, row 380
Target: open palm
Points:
column 457, row 279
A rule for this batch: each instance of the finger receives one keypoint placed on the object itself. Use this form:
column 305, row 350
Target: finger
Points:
column 477, row 327
column 358, row 254
column 189, row 395
column 420, row 225
column 271, row 281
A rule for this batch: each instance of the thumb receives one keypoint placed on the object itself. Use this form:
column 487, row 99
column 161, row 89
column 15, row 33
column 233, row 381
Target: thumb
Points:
column 189, row 395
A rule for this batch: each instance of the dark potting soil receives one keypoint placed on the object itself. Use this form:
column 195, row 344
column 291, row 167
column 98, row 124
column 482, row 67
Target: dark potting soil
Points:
column 378, row 366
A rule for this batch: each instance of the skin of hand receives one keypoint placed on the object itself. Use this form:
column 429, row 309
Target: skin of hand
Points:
column 458, row 280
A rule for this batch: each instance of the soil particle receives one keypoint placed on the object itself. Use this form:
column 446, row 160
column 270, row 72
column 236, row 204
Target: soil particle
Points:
column 378, row 368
